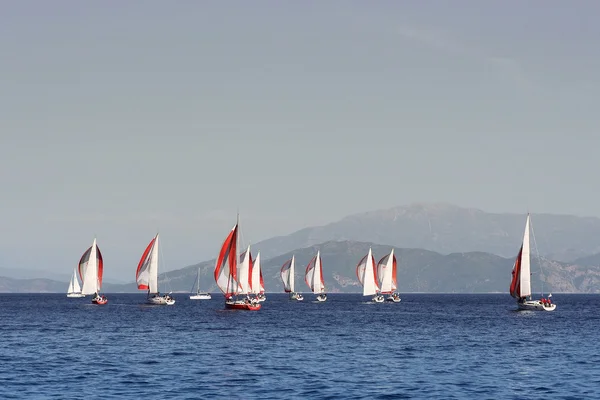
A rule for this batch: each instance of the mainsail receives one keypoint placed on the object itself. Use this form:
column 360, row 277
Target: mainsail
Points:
column 91, row 268
column 287, row 275
column 386, row 271
column 520, row 285
column 226, row 264
column 314, row 275
column 365, row 271
column 146, row 274
column 256, row 276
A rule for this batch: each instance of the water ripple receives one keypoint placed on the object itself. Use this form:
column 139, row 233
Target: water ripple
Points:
column 428, row 346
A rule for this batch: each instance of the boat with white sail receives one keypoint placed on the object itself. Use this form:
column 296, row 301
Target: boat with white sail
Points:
column 314, row 277
column 386, row 271
column 199, row 295
column 74, row 288
column 91, row 268
column 288, row 279
column 231, row 281
column 257, row 285
column 520, row 285
column 367, row 276
column 146, row 275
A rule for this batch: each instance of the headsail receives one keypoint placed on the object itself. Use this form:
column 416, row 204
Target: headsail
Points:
column 520, row 285
column 226, row 265
column 287, row 275
column 386, row 271
column 74, row 284
column 243, row 276
column 314, row 275
column 256, row 276
column 365, row 271
column 146, row 274
column 91, row 268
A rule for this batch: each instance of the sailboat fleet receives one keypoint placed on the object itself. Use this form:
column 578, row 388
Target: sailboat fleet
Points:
column 240, row 279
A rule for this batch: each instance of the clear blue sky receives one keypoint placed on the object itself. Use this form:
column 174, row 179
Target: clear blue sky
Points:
column 118, row 118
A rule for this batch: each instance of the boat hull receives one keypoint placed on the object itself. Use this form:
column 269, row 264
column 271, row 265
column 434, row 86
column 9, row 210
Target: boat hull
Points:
column 75, row 295
column 393, row 298
column 378, row 299
column 536, row 305
column 99, row 300
column 296, row 296
column 242, row 305
column 322, row 297
column 261, row 297
column 161, row 301
column 200, row 296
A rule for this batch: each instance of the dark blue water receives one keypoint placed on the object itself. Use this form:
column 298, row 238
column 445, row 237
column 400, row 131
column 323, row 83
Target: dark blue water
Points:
column 427, row 346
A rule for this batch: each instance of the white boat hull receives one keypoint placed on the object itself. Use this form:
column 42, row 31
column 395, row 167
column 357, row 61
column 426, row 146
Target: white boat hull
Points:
column 161, row 300
column 75, row 295
column 536, row 305
column 200, row 296
column 261, row 297
column 394, row 298
column 322, row 297
column 296, row 296
column 378, row 299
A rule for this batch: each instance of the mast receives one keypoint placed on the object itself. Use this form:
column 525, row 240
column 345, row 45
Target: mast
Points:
column 198, row 281
column 291, row 275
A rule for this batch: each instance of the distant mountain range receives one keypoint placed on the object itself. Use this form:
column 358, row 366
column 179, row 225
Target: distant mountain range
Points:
column 418, row 271
column 440, row 248
column 447, row 229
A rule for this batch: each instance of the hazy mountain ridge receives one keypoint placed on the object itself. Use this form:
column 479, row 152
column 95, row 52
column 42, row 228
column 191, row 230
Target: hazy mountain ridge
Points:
column 447, row 229
column 419, row 270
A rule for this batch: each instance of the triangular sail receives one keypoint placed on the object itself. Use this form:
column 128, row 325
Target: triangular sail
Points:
column 262, row 282
column 226, row 264
column 520, row 285
column 255, row 276
column 365, row 271
column 244, row 272
column 287, row 275
column 146, row 274
column 314, row 275
column 74, row 284
column 386, row 271
column 91, row 269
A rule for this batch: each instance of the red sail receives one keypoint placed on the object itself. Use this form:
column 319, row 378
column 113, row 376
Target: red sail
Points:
column 226, row 265
column 515, row 284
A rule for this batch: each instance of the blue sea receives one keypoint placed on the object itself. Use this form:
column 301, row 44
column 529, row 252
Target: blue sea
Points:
column 428, row 346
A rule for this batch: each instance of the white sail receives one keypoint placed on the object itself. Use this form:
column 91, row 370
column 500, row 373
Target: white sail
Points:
column 153, row 267
column 89, row 267
column 369, row 283
column 291, row 274
column 74, row 284
column 385, row 270
column 317, row 285
column 255, row 278
column 525, row 283
column 243, row 273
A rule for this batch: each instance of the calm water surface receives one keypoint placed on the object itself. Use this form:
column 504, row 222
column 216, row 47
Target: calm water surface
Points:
column 427, row 346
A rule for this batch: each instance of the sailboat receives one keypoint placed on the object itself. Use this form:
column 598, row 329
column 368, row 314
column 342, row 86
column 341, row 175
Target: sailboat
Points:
column 386, row 271
column 91, row 268
column 257, row 285
column 199, row 295
column 74, row 288
column 287, row 277
column 365, row 271
column 520, row 285
column 226, row 274
column 314, row 277
column 146, row 275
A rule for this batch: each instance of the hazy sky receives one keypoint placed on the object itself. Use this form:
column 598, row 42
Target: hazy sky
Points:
column 118, row 118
